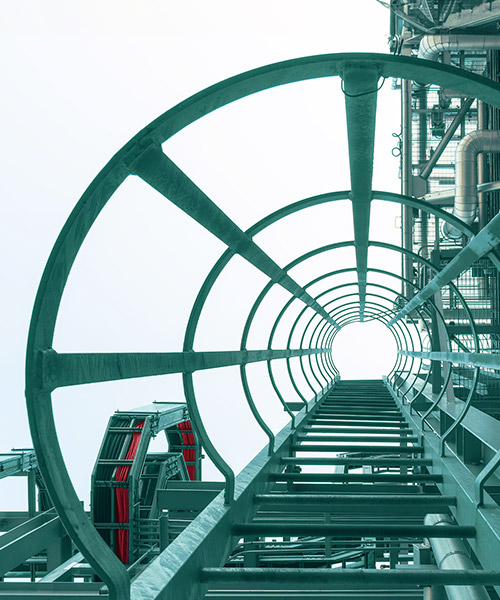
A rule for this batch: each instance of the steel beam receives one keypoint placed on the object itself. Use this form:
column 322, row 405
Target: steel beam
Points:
column 63, row 570
column 10, row 519
column 481, row 244
column 481, row 14
column 17, row 463
column 474, row 359
column 441, row 147
column 61, row 370
column 60, row 590
column 28, row 539
column 360, row 89
column 156, row 169
column 406, row 183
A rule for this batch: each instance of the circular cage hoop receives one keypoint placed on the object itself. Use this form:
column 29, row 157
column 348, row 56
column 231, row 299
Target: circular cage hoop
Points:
column 42, row 367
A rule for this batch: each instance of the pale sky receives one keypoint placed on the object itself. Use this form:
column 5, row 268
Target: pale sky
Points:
column 79, row 80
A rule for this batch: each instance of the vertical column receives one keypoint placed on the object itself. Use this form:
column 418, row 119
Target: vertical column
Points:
column 406, row 182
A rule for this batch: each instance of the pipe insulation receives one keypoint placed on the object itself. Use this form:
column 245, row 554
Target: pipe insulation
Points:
column 465, row 207
column 476, row 142
column 452, row 554
column 431, row 45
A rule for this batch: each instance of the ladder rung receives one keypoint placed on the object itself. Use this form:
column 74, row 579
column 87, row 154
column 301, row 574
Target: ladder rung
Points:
column 124, row 430
column 355, row 477
column 354, row 530
column 113, row 462
column 179, row 447
column 359, row 405
column 353, row 417
column 356, row 422
column 373, row 449
column 357, row 462
column 357, row 499
column 355, row 408
column 111, row 484
column 355, row 438
column 353, row 429
column 348, row 578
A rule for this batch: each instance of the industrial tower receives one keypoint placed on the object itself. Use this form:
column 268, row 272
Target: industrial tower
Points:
column 374, row 489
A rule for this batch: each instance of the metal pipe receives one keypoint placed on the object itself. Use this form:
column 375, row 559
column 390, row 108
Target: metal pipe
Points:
column 459, row 117
column 429, row 48
column 443, row 197
column 433, row 592
column 452, row 554
column 432, row 45
column 482, row 140
column 482, row 123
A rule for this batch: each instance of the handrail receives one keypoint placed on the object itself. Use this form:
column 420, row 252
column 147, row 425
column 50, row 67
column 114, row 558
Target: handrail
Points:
column 483, row 476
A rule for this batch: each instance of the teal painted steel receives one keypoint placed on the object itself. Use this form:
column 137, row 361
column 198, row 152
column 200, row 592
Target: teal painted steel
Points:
column 360, row 90
column 477, row 359
column 17, row 463
column 349, row 578
column 485, row 241
column 60, row 370
column 208, row 541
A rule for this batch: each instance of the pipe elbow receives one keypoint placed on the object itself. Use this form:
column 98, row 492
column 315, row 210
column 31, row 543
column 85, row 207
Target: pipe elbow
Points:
column 450, row 232
column 465, row 206
column 431, row 45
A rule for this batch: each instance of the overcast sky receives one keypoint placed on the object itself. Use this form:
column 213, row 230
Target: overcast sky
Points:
column 79, row 80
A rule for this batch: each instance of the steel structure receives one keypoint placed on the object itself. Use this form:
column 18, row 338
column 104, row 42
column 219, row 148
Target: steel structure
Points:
column 400, row 473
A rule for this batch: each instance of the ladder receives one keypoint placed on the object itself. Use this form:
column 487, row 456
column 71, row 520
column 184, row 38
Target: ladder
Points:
column 336, row 512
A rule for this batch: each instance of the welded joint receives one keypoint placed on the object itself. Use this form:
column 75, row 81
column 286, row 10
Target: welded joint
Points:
column 483, row 476
column 359, row 79
column 45, row 374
